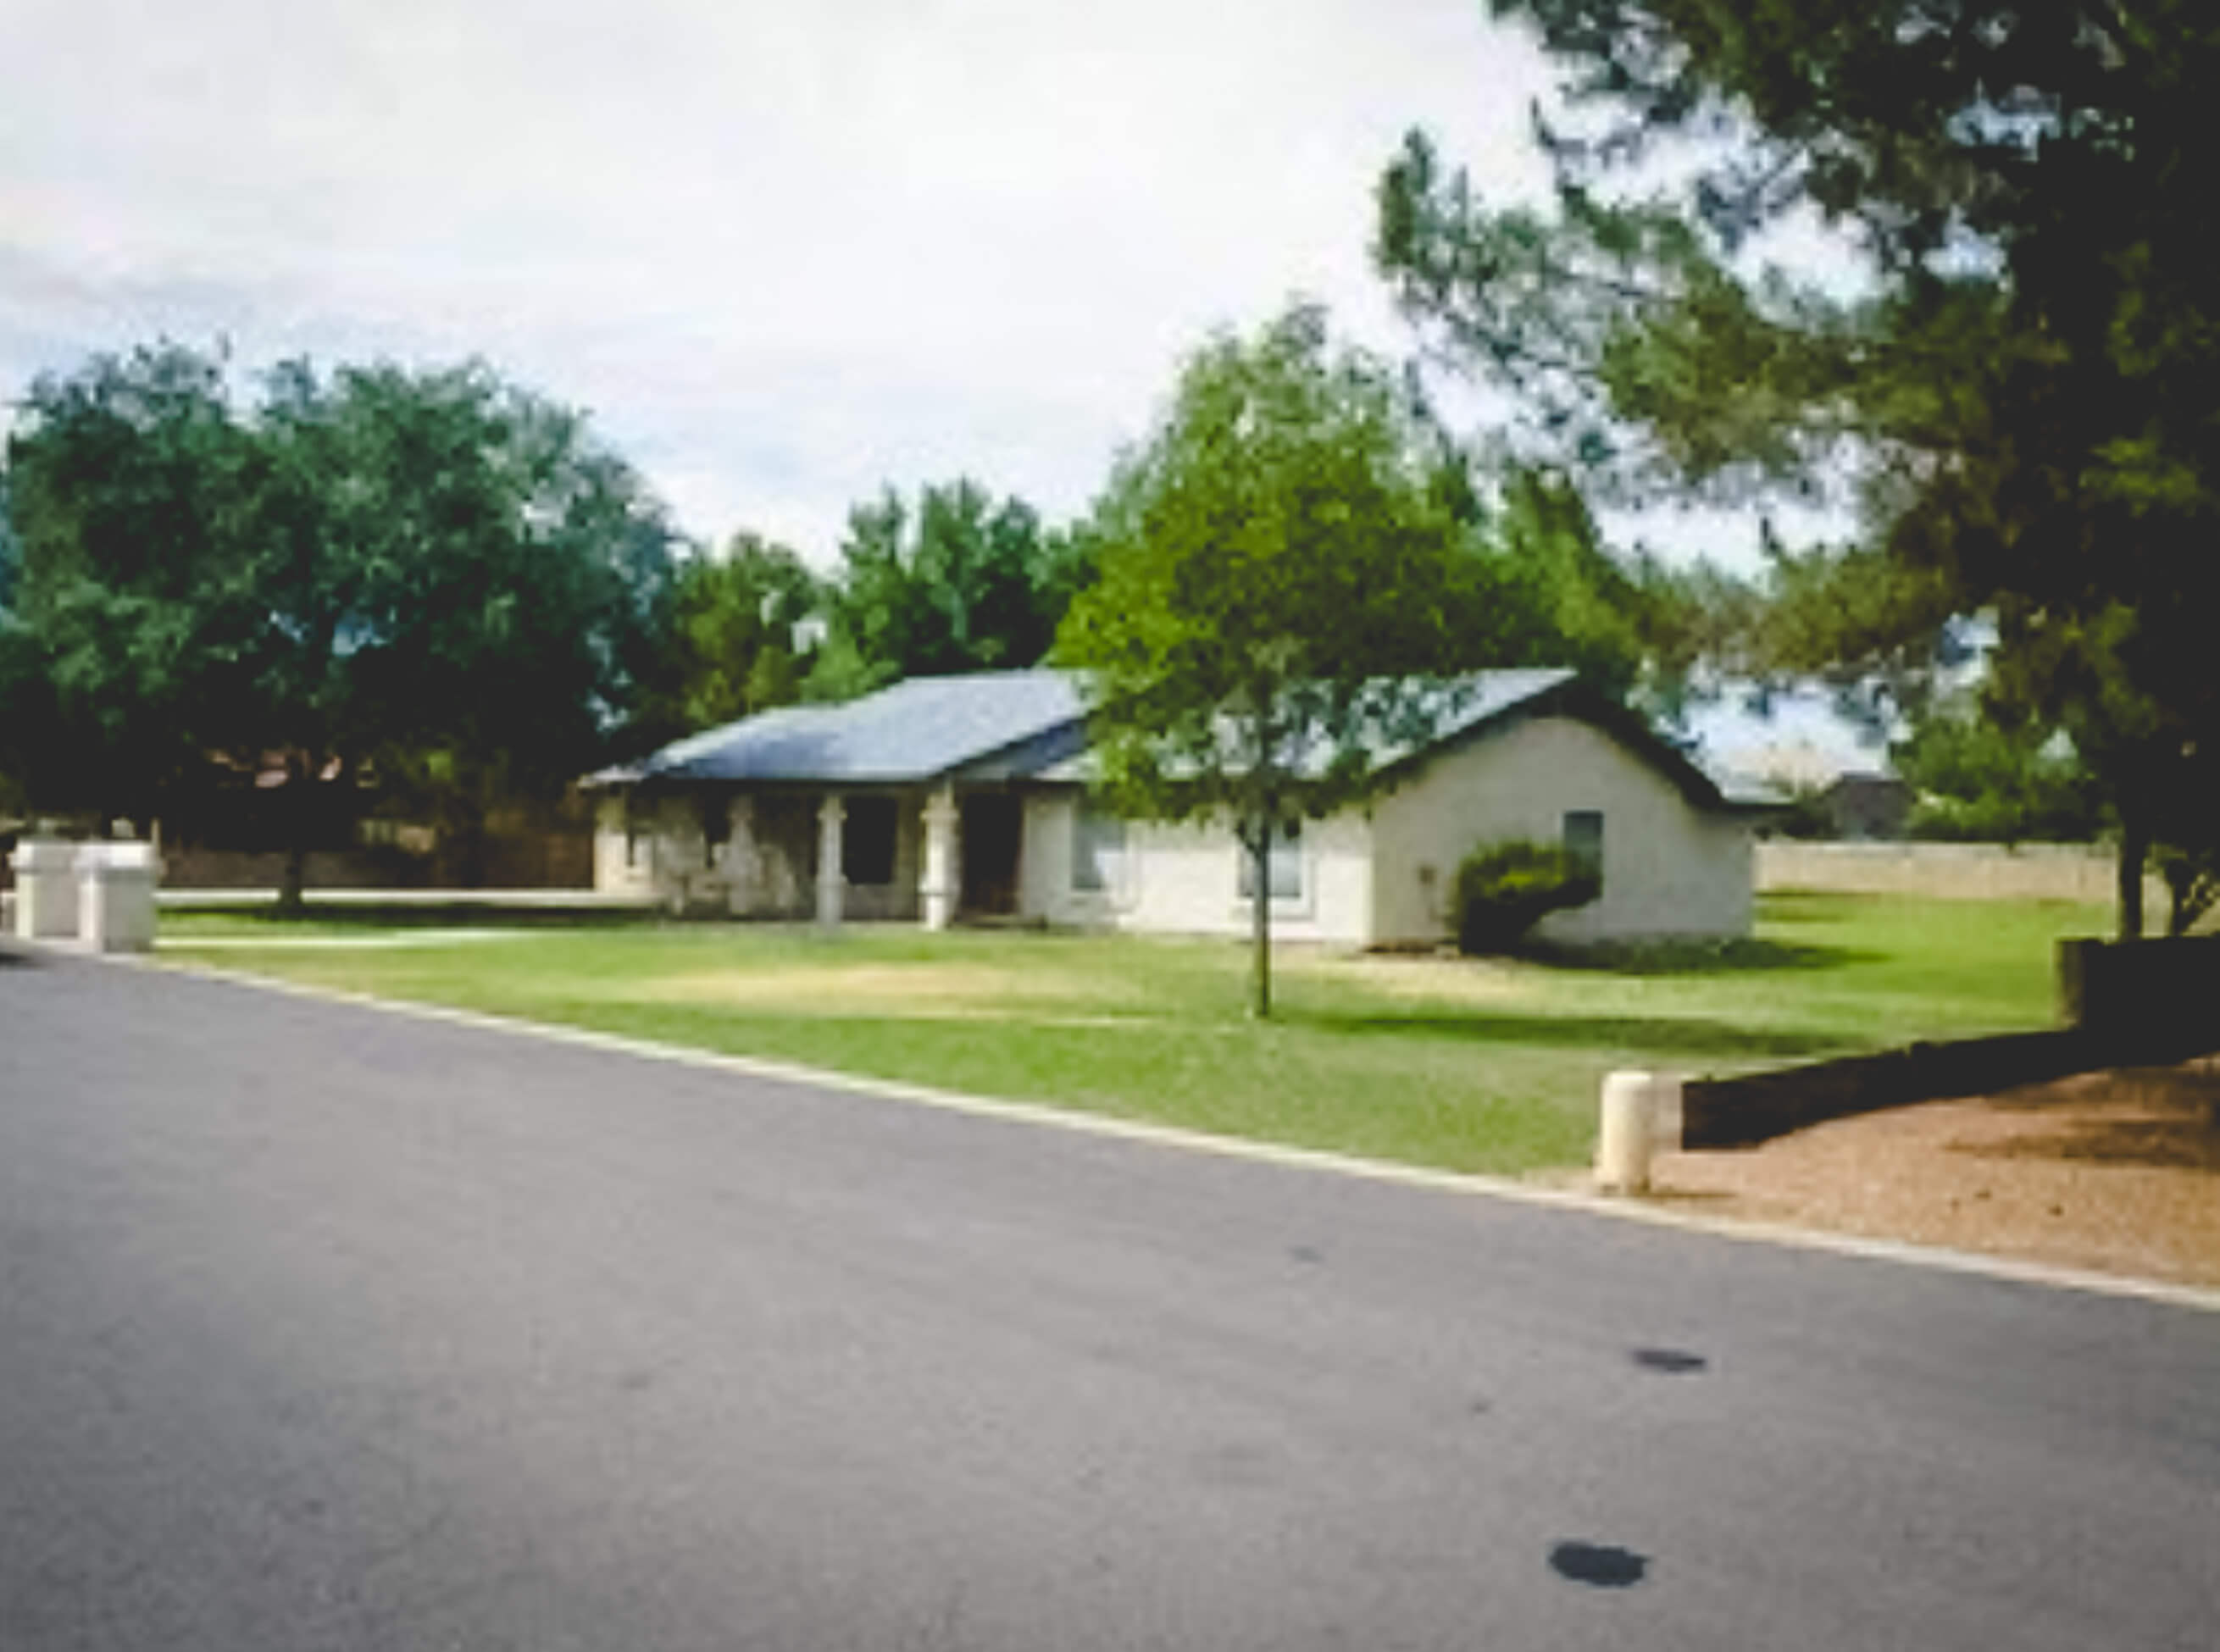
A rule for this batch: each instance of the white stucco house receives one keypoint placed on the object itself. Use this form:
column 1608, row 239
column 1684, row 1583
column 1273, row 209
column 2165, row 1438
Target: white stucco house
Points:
column 959, row 798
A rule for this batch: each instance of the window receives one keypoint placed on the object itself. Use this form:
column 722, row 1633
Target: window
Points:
column 1283, row 866
column 634, row 832
column 1584, row 839
column 1098, row 850
column 866, row 840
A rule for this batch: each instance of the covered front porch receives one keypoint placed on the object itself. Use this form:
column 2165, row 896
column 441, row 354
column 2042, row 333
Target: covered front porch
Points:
column 936, row 856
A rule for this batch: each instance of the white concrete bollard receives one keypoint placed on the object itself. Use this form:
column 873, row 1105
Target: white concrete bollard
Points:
column 116, row 896
column 45, row 889
column 1638, row 1108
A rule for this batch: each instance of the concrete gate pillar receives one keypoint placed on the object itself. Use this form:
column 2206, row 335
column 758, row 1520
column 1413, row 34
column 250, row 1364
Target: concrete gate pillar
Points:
column 116, row 896
column 45, row 889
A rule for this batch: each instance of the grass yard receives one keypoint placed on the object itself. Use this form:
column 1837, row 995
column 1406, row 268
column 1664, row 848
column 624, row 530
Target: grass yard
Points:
column 1463, row 1064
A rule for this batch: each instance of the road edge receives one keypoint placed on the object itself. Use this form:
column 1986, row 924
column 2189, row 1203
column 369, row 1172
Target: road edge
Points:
column 2008, row 1270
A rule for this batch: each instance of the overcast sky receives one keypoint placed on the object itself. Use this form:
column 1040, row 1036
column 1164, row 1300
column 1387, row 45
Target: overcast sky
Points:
column 782, row 253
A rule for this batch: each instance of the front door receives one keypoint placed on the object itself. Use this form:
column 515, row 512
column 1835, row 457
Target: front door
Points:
column 993, row 825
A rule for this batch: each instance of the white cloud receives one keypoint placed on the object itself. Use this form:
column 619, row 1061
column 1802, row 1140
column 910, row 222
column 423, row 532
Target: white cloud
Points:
column 784, row 252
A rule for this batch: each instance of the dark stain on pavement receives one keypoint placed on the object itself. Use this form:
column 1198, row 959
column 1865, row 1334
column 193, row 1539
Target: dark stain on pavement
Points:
column 1600, row 1566
column 1675, row 1361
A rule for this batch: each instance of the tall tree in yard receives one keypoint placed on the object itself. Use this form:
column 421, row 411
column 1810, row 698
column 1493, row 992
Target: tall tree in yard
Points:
column 2019, row 392
column 509, row 581
column 1284, row 584
column 435, row 572
column 129, row 487
column 959, row 582
column 734, row 646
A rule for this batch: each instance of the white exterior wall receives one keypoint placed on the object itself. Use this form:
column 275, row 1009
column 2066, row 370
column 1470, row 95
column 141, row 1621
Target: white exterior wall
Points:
column 1670, row 869
column 612, row 874
column 1186, row 880
column 646, row 848
column 1045, row 888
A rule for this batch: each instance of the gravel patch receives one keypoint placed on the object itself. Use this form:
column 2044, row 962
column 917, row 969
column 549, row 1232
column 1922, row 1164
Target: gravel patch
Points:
column 2117, row 1172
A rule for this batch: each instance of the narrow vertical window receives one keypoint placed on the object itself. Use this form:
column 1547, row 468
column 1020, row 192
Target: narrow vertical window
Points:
column 1098, row 848
column 1584, row 840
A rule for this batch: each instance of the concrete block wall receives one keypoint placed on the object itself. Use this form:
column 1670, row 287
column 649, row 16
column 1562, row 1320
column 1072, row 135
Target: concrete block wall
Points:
column 1977, row 871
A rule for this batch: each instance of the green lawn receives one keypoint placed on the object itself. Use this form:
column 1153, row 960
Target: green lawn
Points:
column 1468, row 1065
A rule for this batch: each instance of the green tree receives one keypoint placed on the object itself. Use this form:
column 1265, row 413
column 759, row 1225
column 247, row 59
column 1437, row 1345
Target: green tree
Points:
column 128, row 487
column 2019, row 391
column 27, row 715
column 736, row 644
column 436, row 573
column 1282, row 589
column 1980, row 780
column 1622, row 623
column 961, row 583
column 515, row 590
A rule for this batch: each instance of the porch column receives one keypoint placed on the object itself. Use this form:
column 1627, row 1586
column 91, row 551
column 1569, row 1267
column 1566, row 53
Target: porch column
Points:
column 936, row 888
column 743, row 862
column 831, row 887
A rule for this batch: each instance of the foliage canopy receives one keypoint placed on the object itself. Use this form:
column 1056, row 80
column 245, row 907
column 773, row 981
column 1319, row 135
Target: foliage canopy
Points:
column 434, row 572
column 1288, row 584
column 960, row 582
column 2018, row 389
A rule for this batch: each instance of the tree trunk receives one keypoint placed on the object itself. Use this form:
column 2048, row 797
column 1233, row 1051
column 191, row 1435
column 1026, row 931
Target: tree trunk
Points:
column 2135, row 846
column 292, row 889
column 293, row 883
column 466, row 842
column 1260, row 920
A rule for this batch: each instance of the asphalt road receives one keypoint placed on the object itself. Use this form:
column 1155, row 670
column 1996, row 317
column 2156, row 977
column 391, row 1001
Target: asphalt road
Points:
column 327, row 1328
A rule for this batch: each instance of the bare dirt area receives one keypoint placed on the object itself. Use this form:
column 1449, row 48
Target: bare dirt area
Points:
column 2117, row 1172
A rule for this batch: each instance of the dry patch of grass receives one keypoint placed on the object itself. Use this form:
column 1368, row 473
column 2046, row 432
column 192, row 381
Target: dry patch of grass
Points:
column 909, row 990
column 1428, row 979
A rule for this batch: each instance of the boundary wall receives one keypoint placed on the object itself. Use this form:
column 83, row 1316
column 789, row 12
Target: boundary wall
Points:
column 1976, row 871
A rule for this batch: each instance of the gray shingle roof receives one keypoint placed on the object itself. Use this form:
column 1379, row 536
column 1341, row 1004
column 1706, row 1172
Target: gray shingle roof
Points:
column 1002, row 724
column 914, row 731
column 1468, row 702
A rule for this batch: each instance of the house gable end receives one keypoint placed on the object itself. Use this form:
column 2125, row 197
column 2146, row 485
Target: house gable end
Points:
column 1571, row 698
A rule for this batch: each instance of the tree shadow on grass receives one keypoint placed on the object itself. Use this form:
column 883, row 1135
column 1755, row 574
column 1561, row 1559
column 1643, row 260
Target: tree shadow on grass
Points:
column 1674, row 1035
column 1746, row 957
column 461, row 911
